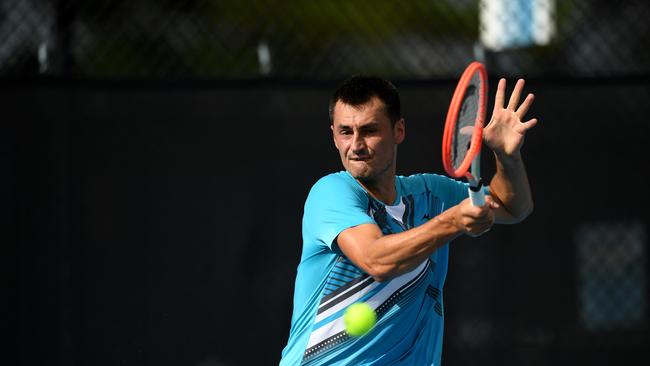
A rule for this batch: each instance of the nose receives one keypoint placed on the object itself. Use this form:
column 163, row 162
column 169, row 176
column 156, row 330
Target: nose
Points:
column 358, row 142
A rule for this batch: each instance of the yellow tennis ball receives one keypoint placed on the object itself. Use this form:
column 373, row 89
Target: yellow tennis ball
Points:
column 359, row 318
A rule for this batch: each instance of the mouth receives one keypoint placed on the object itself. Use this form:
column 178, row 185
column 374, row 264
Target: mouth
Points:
column 360, row 158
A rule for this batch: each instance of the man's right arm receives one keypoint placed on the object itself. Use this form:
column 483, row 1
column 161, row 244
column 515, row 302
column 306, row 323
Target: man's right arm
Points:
column 387, row 256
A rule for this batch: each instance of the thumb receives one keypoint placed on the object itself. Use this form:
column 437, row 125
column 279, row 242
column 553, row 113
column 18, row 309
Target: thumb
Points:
column 491, row 203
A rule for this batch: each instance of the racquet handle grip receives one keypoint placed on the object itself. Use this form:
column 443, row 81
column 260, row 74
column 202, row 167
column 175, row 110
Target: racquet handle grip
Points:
column 478, row 197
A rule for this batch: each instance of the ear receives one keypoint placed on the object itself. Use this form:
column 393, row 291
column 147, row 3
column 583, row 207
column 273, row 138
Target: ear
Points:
column 399, row 131
column 333, row 136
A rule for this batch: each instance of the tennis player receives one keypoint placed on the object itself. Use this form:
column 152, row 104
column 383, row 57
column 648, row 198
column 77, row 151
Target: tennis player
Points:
column 371, row 236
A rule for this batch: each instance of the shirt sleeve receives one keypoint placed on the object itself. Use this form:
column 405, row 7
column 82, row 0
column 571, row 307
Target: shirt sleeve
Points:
column 451, row 191
column 455, row 190
column 335, row 203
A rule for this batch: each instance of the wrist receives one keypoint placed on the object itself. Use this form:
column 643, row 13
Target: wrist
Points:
column 449, row 219
column 508, row 159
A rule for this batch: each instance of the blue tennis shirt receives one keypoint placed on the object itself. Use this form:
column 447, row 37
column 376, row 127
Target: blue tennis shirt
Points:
column 409, row 307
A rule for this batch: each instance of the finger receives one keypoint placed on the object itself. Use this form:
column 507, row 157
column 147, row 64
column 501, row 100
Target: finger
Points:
column 528, row 124
column 488, row 207
column 500, row 96
column 523, row 108
column 516, row 94
column 490, row 200
column 482, row 215
column 475, row 213
column 493, row 205
column 482, row 223
column 466, row 131
column 479, row 213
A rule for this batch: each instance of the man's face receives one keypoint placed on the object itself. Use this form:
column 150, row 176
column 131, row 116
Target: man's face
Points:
column 365, row 139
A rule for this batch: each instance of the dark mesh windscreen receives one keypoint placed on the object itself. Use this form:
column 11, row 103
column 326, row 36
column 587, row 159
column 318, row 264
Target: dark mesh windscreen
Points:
column 465, row 122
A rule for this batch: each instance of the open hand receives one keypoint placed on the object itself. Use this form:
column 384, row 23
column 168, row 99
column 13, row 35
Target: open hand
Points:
column 505, row 133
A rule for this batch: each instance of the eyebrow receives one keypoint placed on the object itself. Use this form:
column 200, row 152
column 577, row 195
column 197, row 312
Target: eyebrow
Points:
column 370, row 124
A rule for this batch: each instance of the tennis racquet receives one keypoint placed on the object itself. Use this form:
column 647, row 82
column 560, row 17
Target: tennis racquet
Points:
column 463, row 134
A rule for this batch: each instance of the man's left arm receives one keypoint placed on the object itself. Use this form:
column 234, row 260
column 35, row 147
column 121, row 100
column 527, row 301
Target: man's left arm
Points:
column 510, row 189
column 504, row 135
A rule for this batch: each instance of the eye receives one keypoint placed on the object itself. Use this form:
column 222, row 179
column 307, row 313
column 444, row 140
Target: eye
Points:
column 345, row 132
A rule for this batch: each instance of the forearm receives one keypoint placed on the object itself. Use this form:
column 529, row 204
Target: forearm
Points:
column 395, row 254
column 511, row 188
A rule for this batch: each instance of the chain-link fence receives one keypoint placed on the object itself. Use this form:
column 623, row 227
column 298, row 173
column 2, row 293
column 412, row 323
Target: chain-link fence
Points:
column 575, row 280
column 611, row 275
column 322, row 39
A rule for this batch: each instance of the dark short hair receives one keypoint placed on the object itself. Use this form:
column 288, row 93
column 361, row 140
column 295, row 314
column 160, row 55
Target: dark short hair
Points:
column 358, row 90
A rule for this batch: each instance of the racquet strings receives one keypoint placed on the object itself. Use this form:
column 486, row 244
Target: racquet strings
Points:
column 465, row 122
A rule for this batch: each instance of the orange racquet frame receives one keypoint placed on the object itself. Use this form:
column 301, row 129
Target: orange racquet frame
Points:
column 472, row 157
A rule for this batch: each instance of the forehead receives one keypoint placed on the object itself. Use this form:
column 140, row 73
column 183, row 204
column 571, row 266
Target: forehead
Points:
column 373, row 110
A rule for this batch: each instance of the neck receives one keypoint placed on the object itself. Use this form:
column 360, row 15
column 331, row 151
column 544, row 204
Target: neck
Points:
column 383, row 190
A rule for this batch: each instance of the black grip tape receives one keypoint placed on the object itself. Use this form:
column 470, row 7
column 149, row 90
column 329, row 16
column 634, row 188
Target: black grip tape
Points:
column 478, row 186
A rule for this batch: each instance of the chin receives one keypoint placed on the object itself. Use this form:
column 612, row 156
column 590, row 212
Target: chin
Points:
column 361, row 174
column 362, row 170
column 366, row 172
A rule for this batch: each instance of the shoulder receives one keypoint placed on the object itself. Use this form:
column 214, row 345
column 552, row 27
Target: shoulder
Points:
column 340, row 183
column 427, row 182
column 436, row 184
column 336, row 190
column 338, row 178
